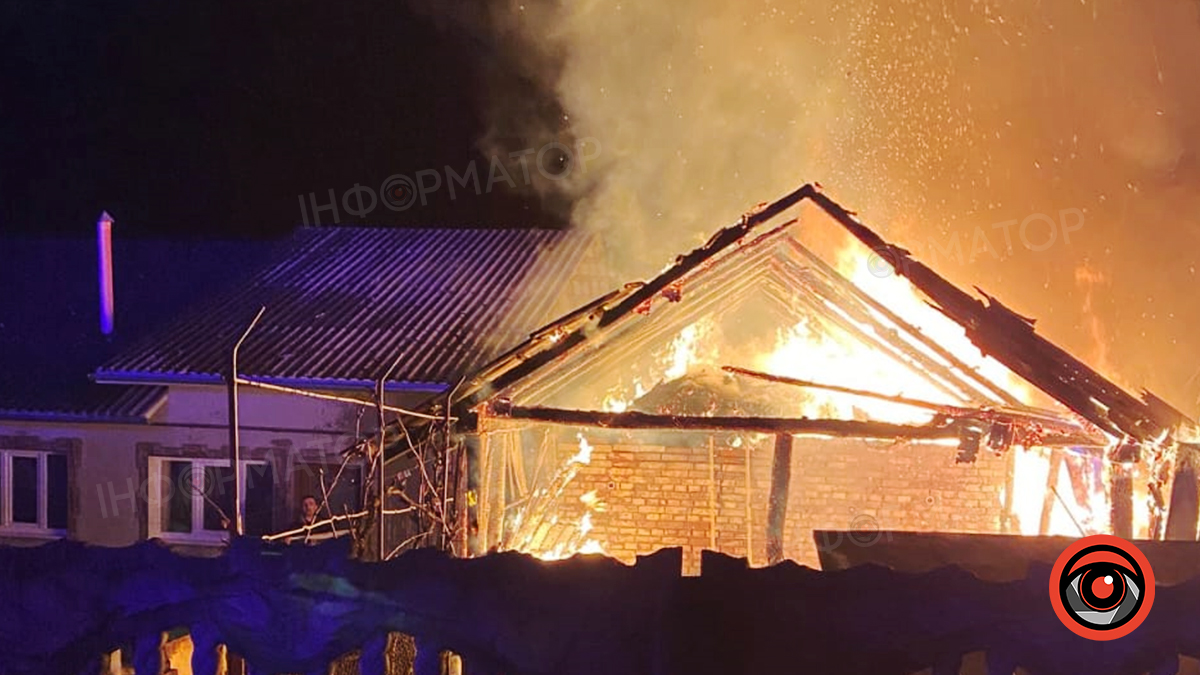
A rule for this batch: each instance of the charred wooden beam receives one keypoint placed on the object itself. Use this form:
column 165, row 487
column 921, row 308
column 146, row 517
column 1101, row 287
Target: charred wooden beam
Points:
column 941, row 428
column 780, row 379
column 1004, row 416
column 749, row 501
column 1121, row 493
column 1010, row 338
column 712, row 494
column 766, row 425
column 733, row 280
column 781, row 478
column 1184, row 513
column 1077, row 470
column 1159, row 466
column 477, row 489
column 498, row 493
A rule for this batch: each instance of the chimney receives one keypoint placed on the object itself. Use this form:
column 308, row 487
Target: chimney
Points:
column 104, row 247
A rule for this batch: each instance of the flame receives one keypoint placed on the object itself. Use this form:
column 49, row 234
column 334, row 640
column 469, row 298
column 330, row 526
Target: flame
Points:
column 584, row 456
column 807, row 351
column 1068, row 517
column 592, row 547
column 899, row 296
column 577, row 541
column 804, row 353
column 1030, row 465
column 566, row 550
column 614, row 404
column 811, row 350
column 684, row 352
column 592, row 501
column 688, row 349
column 1030, row 470
column 1091, row 281
column 618, row 401
column 584, row 527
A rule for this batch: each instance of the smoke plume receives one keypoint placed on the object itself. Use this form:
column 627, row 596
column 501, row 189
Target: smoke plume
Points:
column 938, row 121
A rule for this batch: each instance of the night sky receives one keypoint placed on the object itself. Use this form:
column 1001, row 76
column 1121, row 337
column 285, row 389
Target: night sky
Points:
column 212, row 118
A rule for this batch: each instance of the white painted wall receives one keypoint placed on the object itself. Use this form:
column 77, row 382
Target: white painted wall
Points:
column 107, row 474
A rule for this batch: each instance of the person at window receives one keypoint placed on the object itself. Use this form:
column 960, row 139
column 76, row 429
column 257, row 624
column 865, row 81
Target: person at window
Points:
column 310, row 517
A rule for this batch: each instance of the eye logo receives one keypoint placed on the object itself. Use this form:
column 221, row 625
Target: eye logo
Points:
column 1102, row 587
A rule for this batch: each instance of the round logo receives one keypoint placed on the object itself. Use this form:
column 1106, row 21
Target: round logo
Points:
column 1102, row 587
column 864, row 530
column 398, row 192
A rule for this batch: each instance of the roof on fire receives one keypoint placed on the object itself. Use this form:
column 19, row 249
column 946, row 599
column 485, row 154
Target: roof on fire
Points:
column 736, row 262
column 538, row 361
column 345, row 302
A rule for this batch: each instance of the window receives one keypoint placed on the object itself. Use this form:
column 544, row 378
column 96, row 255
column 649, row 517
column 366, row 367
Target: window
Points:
column 33, row 493
column 192, row 499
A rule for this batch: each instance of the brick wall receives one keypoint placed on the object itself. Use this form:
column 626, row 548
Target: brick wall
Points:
column 659, row 495
column 851, row 484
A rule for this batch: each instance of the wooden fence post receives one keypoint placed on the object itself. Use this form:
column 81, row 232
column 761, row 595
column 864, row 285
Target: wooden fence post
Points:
column 1121, row 489
column 1183, row 513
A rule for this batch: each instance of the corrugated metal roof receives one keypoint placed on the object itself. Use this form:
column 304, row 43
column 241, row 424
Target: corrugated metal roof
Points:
column 99, row 403
column 346, row 301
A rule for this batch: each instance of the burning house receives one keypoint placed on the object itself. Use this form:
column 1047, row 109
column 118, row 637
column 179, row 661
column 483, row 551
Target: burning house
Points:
column 758, row 390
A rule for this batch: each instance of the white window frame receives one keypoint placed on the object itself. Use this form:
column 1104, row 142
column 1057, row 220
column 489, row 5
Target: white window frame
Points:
column 40, row 528
column 155, row 486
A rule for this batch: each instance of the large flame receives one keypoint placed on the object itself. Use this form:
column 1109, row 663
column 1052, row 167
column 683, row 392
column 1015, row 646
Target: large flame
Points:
column 899, row 296
column 809, row 350
column 1030, row 466
column 806, row 353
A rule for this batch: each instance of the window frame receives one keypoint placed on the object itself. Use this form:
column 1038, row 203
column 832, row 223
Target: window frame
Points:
column 156, row 465
column 40, row 529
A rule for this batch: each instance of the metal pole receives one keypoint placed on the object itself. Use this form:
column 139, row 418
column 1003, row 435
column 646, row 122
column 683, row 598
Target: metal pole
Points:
column 235, row 453
column 380, row 386
column 104, row 244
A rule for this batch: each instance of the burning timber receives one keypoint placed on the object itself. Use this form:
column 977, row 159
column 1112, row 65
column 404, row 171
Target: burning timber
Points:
column 861, row 408
column 944, row 427
column 1011, row 339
